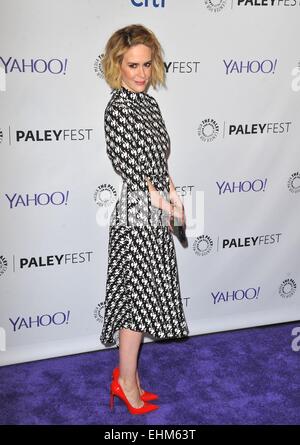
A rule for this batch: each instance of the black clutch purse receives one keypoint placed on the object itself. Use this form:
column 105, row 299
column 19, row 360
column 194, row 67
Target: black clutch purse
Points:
column 178, row 230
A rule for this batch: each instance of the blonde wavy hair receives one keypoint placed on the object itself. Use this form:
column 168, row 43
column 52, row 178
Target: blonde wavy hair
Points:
column 120, row 42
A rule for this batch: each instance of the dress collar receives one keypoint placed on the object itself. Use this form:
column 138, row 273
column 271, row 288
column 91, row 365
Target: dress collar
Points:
column 127, row 94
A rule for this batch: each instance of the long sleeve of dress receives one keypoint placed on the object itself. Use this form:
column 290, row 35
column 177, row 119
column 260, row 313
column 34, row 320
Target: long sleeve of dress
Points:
column 123, row 146
column 121, row 138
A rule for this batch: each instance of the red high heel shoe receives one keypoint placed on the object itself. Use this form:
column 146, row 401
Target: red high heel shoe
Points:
column 146, row 396
column 116, row 390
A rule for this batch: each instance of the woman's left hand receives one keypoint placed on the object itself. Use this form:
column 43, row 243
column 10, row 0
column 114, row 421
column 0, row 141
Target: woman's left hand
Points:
column 178, row 213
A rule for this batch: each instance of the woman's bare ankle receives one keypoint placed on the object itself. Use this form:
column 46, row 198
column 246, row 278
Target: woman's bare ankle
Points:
column 132, row 392
column 128, row 384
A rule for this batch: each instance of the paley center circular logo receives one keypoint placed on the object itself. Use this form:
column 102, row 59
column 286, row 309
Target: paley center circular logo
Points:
column 105, row 195
column 99, row 312
column 215, row 5
column 287, row 288
column 208, row 130
column 3, row 264
column 203, row 245
column 98, row 66
column 294, row 183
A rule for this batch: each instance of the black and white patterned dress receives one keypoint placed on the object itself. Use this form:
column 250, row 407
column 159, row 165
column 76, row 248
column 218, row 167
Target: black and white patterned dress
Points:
column 142, row 288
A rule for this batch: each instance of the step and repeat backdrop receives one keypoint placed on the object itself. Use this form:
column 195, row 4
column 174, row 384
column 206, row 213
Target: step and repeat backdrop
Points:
column 232, row 109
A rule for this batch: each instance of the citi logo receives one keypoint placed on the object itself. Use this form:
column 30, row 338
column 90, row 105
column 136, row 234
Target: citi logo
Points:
column 146, row 3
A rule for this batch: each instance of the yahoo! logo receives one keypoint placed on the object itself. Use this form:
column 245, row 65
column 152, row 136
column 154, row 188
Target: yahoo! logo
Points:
column 266, row 66
column 257, row 185
column 40, row 66
column 38, row 199
column 146, row 3
column 241, row 294
column 57, row 319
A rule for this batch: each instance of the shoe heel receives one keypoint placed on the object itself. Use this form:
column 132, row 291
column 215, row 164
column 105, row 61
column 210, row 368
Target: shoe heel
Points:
column 146, row 396
column 111, row 402
column 116, row 390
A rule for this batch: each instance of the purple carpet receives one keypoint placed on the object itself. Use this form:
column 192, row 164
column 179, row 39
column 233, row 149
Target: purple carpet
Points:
column 248, row 376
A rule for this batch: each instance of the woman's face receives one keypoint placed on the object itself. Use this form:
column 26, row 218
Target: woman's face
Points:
column 136, row 68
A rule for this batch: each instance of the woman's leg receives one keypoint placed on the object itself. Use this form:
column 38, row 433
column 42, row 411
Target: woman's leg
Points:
column 129, row 345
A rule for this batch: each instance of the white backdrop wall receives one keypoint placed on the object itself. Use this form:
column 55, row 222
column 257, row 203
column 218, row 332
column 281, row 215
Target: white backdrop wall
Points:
column 231, row 107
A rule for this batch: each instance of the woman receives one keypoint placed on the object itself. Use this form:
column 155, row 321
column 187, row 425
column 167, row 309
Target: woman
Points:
column 142, row 289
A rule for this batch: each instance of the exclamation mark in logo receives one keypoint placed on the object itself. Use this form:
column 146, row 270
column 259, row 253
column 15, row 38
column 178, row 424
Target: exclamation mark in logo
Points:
column 68, row 316
column 265, row 185
column 2, row 79
column 258, row 289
